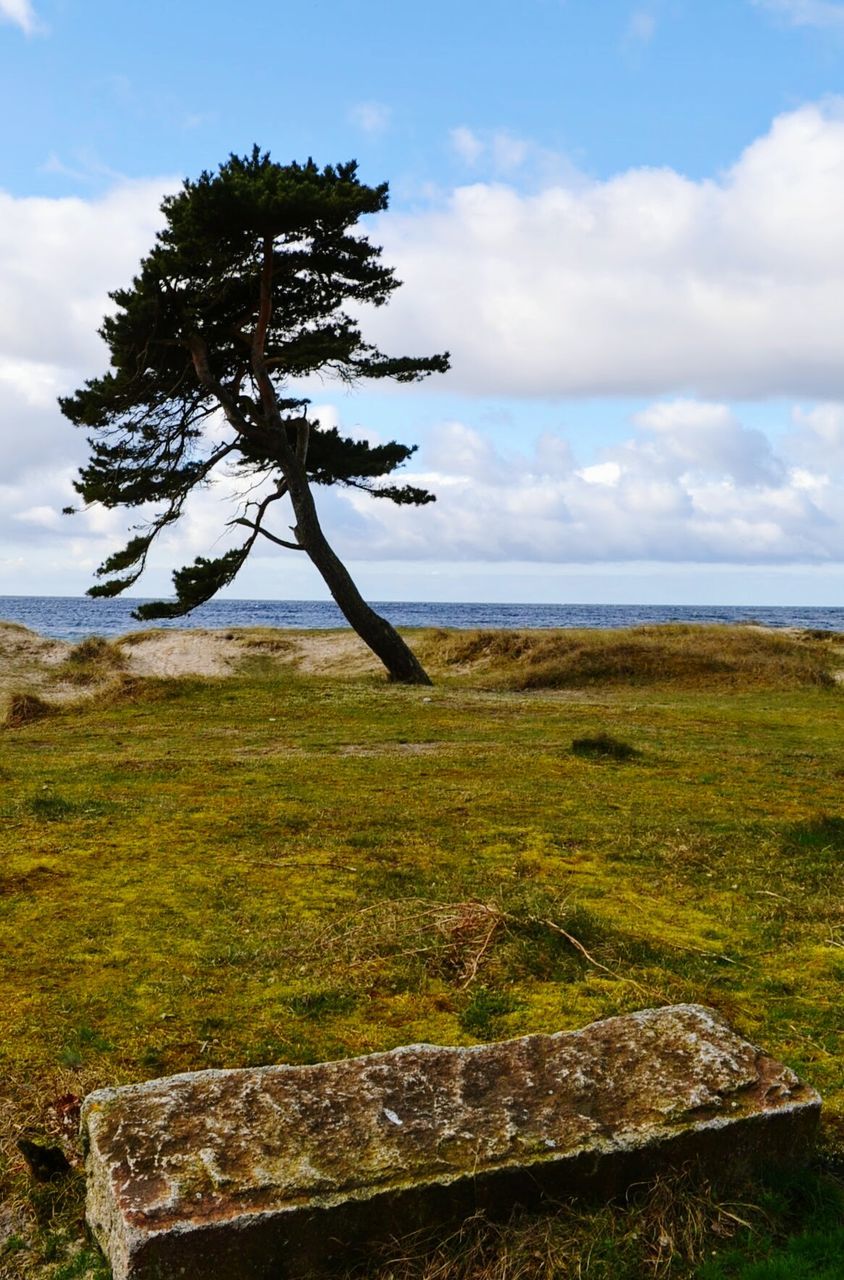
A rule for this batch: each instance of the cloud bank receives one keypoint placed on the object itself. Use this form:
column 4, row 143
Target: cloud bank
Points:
column 690, row 484
column 58, row 261
column 645, row 284
column 689, row 294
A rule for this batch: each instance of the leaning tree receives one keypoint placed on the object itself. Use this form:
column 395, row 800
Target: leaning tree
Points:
column 253, row 285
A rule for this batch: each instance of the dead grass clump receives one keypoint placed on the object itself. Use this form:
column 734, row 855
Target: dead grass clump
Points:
column 26, row 708
column 452, row 938
column 126, row 688
column 267, row 641
column 462, row 648
column 149, row 633
column 456, row 941
column 92, row 661
column 689, row 656
column 663, row 1228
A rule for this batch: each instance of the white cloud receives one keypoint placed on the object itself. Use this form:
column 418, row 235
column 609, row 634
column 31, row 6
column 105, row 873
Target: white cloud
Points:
column 372, row 117
column 818, row 435
column 58, row 261
column 21, row 13
column 644, row 283
column 828, row 15
column 692, row 484
column 43, row 517
column 608, row 473
column 505, row 154
column 689, row 437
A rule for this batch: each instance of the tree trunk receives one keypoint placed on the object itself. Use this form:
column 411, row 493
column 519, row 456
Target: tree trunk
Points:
column 375, row 631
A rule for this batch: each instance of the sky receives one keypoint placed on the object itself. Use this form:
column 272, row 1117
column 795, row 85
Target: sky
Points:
column 623, row 220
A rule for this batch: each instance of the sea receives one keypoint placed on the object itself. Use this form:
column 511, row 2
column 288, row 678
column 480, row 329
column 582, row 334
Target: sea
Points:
column 75, row 617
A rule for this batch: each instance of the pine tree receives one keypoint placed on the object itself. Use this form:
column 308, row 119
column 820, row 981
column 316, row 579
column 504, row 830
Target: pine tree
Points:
column 246, row 291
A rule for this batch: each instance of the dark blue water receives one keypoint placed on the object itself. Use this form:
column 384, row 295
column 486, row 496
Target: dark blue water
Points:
column 74, row 617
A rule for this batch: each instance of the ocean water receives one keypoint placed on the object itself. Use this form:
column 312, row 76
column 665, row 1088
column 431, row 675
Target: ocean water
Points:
column 75, row 617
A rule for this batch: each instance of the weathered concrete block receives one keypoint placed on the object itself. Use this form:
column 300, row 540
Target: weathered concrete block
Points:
column 271, row 1171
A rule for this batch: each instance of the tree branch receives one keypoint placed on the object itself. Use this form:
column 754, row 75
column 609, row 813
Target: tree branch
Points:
column 199, row 355
column 280, row 542
column 259, row 337
column 303, row 437
column 257, row 527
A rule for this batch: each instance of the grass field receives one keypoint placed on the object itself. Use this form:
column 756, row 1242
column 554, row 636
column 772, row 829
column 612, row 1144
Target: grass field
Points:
column 278, row 867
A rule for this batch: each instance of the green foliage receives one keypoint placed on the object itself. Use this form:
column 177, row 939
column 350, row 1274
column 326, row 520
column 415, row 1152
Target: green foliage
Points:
column 481, row 1015
column 87, row 1264
column 815, row 1252
column 245, row 290
column 81, row 1042
column 194, row 585
column 49, row 807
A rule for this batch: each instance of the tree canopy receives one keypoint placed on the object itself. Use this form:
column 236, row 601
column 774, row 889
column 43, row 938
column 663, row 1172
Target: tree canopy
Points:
column 254, row 283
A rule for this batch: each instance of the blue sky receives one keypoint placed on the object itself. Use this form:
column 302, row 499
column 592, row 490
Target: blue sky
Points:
column 622, row 218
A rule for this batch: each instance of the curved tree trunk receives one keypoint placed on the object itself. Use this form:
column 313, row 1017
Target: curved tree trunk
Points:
column 375, row 631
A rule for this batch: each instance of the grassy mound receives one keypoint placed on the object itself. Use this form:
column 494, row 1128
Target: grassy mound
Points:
column 683, row 656
column 92, row 661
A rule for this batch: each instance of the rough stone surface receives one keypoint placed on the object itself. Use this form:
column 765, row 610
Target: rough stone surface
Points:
column 271, row 1171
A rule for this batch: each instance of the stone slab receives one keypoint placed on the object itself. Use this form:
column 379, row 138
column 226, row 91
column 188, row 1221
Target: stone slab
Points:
column 273, row 1171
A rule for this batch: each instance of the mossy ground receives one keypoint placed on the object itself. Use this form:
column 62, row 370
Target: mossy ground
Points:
column 275, row 867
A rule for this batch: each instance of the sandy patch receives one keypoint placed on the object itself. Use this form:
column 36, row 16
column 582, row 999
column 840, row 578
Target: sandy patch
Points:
column 20, row 647
column 221, row 653
column 334, row 653
column 28, row 662
column 182, row 653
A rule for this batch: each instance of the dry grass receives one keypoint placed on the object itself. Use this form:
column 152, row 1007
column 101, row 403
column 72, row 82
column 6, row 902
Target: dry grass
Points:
column 678, row 655
column 26, row 708
column 92, row 662
column 455, row 941
column 665, row 1227
column 452, row 938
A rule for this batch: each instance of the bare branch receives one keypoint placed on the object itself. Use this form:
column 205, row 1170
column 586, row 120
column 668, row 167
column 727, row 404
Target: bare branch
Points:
column 280, row 542
column 257, row 527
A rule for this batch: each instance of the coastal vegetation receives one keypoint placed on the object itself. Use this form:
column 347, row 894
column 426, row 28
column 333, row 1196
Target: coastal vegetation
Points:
column 298, row 861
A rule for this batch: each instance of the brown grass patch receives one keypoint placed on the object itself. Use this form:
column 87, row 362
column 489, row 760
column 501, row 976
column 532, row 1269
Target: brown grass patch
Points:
column 662, row 1228
column 26, row 708
column 676, row 655
column 92, row 661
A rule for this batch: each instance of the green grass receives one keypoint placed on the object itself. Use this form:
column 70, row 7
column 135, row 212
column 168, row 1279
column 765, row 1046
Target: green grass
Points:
column 268, row 868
